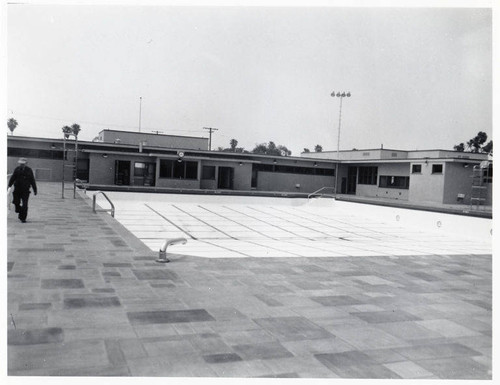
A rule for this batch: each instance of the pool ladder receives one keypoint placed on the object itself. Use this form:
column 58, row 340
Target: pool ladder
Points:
column 317, row 192
column 162, row 257
column 112, row 209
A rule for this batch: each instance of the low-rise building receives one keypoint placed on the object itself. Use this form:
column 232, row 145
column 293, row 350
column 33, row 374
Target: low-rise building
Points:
column 176, row 162
column 438, row 176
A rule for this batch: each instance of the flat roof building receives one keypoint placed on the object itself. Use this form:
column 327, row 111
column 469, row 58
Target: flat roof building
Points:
column 151, row 139
column 167, row 162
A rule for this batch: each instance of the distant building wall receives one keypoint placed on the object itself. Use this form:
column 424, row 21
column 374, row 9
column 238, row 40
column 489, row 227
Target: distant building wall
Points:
column 426, row 186
column 457, row 180
column 166, row 141
column 103, row 168
column 275, row 181
column 44, row 169
column 399, row 169
column 178, row 183
column 434, row 154
column 242, row 175
column 44, row 157
column 373, row 154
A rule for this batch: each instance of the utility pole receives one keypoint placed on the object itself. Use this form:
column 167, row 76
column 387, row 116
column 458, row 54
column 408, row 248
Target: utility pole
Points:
column 140, row 110
column 210, row 137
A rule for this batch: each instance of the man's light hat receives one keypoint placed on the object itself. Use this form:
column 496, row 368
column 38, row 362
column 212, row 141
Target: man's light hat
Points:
column 22, row 161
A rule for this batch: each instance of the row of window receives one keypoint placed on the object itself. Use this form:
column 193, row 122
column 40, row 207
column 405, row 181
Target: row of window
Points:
column 367, row 175
column 189, row 170
column 401, row 182
column 294, row 169
column 34, row 153
column 417, row 168
column 178, row 170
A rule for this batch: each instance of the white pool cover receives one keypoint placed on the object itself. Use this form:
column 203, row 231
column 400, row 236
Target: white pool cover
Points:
column 236, row 227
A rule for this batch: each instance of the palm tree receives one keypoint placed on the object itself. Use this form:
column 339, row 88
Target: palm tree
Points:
column 233, row 143
column 73, row 130
column 12, row 124
column 67, row 131
column 76, row 129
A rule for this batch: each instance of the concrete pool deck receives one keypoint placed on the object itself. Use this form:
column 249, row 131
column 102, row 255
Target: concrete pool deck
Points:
column 86, row 298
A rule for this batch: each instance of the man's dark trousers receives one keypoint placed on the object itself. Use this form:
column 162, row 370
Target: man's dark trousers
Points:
column 20, row 200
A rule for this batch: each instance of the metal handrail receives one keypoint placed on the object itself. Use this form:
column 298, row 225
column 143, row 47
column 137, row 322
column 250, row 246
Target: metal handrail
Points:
column 317, row 191
column 105, row 196
column 82, row 184
column 162, row 257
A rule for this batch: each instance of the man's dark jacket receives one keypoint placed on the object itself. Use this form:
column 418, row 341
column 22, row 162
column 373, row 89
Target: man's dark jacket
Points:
column 22, row 178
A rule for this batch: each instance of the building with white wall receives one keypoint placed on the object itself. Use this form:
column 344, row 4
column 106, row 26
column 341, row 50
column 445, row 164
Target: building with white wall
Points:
column 419, row 176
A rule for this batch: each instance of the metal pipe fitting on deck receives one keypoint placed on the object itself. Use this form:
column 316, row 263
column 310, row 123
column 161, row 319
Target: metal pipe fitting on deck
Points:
column 162, row 257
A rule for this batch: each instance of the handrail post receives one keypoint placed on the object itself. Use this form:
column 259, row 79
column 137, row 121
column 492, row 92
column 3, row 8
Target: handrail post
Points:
column 82, row 184
column 162, row 257
column 317, row 191
column 105, row 196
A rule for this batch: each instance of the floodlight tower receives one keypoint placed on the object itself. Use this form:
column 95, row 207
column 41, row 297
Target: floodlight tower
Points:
column 340, row 95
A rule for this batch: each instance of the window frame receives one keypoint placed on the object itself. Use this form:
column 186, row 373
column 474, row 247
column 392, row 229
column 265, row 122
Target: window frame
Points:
column 173, row 169
column 413, row 166
column 436, row 165
column 390, row 182
column 368, row 175
column 138, row 170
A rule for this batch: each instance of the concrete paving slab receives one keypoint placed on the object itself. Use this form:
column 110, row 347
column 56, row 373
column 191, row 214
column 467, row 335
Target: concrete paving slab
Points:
column 86, row 298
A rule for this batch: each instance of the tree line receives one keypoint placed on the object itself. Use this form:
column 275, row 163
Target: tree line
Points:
column 477, row 144
column 269, row 148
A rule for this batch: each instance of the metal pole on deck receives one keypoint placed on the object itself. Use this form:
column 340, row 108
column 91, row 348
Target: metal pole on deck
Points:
column 340, row 95
column 63, row 165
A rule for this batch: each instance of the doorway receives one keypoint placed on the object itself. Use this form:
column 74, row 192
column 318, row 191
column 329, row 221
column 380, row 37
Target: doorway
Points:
column 82, row 169
column 226, row 177
column 122, row 172
column 343, row 186
column 144, row 174
column 352, row 174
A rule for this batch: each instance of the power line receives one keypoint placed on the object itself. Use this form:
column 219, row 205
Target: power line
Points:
column 210, row 137
column 94, row 123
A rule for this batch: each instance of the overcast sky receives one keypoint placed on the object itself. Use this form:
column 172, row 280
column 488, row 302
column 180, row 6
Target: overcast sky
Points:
column 420, row 78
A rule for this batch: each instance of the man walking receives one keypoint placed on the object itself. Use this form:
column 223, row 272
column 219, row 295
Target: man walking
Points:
column 22, row 178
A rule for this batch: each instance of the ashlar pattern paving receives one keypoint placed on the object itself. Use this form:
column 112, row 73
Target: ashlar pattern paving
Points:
column 86, row 298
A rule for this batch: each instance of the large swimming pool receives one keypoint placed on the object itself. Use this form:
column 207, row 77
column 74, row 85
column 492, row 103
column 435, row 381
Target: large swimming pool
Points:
column 238, row 227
